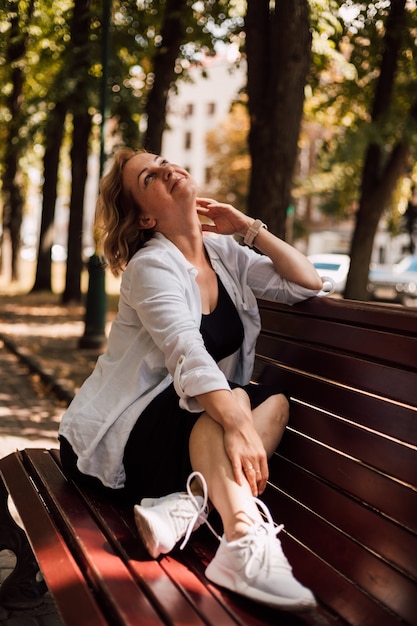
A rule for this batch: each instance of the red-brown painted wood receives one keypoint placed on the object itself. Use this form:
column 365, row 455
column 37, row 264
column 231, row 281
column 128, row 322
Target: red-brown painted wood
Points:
column 76, row 604
column 104, row 569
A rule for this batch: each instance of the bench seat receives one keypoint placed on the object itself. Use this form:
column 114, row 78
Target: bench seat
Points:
column 97, row 568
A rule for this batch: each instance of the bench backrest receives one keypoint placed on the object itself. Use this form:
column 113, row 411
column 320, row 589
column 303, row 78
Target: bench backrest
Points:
column 344, row 478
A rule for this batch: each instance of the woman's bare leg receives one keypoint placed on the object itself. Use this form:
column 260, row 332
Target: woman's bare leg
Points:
column 248, row 539
column 208, row 456
column 270, row 419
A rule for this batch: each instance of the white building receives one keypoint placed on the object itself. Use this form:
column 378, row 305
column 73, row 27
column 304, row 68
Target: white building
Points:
column 200, row 105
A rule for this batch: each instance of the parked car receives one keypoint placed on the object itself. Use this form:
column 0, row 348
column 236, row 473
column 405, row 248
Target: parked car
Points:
column 334, row 266
column 397, row 282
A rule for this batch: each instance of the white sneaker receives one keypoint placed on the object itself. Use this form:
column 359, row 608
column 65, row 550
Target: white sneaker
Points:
column 162, row 522
column 256, row 567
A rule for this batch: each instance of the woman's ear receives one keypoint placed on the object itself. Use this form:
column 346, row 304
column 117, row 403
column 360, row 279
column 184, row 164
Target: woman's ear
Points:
column 146, row 222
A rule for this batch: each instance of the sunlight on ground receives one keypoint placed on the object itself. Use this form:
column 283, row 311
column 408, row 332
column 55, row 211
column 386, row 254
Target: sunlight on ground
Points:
column 27, row 272
column 48, row 332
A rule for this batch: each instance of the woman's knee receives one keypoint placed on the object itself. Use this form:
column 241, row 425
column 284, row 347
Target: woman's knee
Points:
column 241, row 397
column 271, row 418
column 282, row 408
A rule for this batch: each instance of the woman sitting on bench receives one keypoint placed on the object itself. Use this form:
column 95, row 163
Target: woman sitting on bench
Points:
column 168, row 418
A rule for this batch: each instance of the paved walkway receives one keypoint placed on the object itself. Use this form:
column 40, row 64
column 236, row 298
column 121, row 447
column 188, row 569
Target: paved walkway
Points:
column 41, row 368
column 29, row 417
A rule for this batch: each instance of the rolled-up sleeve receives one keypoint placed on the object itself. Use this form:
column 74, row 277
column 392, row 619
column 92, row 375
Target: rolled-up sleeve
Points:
column 258, row 271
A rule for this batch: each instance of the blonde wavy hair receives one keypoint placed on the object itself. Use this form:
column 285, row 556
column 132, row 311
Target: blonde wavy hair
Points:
column 116, row 224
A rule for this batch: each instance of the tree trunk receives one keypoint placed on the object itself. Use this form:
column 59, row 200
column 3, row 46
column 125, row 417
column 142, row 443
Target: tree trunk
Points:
column 172, row 34
column 78, row 103
column 53, row 139
column 79, row 159
column 380, row 175
column 278, row 47
column 13, row 205
column 372, row 205
column 12, row 183
column 78, row 68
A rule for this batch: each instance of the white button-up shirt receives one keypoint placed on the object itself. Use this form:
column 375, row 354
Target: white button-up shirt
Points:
column 155, row 340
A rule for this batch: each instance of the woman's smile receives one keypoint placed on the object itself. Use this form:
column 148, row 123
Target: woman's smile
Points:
column 176, row 181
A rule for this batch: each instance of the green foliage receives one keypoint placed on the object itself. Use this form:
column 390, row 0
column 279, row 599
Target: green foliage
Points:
column 346, row 55
column 58, row 69
column 48, row 37
column 342, row 89
column 136, row 36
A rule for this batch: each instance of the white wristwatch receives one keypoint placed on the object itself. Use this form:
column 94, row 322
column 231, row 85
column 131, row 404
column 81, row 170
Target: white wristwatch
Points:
column 253, row 231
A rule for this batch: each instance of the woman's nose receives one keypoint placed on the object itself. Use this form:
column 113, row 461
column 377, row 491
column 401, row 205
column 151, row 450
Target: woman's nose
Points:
column 166, row 171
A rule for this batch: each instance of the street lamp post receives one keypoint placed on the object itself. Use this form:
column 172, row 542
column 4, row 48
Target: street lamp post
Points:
column 96, row 304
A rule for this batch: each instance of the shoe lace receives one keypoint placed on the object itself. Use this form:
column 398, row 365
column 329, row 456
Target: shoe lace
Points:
column 201, row 511
column 263, row 544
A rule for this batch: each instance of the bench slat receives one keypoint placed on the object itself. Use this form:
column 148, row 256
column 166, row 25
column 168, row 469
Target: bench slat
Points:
column 75, row 602
column 379, row 582
column 386, row 346
column 385, row 454
column 396, row 500
column 366, row 526
column 392, row 318
column 376, row 378
column 108, row 575
column 378, row 414
column 337, row 592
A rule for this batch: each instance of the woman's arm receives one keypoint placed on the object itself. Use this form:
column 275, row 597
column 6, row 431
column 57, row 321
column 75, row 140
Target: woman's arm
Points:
column 288, row 262
column 241, row 440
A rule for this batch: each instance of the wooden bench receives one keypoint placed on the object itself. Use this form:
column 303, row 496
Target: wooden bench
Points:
column 343, row 481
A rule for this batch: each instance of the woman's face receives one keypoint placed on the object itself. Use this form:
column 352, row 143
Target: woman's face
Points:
column 160, row 188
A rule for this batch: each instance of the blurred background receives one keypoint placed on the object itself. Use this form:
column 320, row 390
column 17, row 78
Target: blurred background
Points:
column 301, row 113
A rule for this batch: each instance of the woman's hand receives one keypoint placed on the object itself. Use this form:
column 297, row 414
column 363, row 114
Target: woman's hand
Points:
column 242, row 443
column 247, row 455
column 289, row 262
column 226, row 219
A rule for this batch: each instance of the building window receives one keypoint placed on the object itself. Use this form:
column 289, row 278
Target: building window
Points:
column 211, row 108
column 188, row 110
column 187, row 140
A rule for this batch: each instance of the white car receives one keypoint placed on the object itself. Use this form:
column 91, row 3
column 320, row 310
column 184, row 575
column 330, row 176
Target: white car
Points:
column 395, row 282
column 334, row 266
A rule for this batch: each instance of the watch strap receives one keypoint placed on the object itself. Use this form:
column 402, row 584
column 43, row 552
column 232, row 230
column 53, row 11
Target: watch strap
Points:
column 253, row 231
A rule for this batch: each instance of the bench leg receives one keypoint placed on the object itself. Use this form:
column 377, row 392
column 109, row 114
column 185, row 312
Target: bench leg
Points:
column 24, row 587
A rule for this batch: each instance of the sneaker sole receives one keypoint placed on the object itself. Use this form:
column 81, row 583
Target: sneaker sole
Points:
column 225, row 578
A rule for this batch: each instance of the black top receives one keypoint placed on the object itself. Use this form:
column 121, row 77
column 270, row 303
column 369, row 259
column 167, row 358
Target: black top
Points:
column 222, row 329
